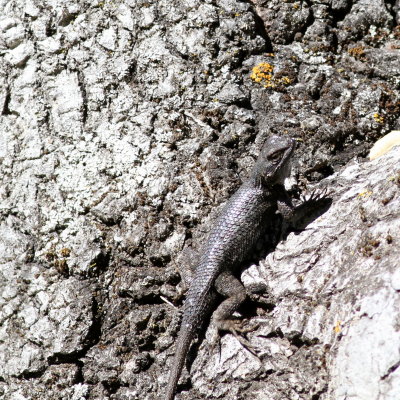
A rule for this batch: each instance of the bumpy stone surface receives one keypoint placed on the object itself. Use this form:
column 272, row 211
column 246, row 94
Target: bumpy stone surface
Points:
column 124, row 125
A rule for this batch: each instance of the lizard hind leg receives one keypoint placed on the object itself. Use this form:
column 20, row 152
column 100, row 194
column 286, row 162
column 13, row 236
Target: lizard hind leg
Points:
column 234, row 291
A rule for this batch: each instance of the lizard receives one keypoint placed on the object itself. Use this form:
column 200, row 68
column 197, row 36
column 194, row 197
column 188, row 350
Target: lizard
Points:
column 234, row 233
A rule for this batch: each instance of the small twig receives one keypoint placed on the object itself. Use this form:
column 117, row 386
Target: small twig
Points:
column 168, row 302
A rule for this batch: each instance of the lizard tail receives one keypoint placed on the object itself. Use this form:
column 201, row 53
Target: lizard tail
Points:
column 182, row 346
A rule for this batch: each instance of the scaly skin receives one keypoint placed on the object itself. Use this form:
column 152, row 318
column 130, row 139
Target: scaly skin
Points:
column 233, row 235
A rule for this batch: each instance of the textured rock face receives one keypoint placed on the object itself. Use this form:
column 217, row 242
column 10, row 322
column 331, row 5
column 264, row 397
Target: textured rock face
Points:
column 124, row 125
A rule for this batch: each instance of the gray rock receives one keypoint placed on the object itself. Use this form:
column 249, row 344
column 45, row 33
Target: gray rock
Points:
column 19, row 55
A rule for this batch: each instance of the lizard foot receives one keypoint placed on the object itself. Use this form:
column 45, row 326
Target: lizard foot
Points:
column 239, row 331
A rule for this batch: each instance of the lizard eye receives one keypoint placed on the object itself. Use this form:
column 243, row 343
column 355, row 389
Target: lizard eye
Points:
column 276, row 156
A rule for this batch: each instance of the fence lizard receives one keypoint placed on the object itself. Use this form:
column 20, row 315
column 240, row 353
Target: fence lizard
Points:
column 233, row 235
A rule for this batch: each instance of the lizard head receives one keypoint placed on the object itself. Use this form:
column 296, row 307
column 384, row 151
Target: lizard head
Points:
column 274, row 162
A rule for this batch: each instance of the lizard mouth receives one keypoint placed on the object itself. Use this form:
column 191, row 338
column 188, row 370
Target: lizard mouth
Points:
column 285, row 166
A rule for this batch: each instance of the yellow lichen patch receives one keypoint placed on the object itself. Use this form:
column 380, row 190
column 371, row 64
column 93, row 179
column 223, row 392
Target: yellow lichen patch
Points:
column 286, row 80
column 263, row 74
column 383, row 145
column 65, row 252
column 356, row 52
column 380, row 119
column 269, row 84
column 365, row 193
column 338, row 327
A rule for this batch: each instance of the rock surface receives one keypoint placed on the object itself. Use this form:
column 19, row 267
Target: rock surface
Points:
column 123, row 128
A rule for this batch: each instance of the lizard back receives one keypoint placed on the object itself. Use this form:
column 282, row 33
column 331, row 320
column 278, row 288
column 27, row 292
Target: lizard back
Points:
column 232, row 236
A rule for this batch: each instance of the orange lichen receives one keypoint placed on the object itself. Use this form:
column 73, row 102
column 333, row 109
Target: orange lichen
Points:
column 356, row 52
column 286, row 80
column 380, row 119
column 263, row 74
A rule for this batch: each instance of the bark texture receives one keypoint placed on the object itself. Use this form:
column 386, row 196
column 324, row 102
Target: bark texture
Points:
column 125, row 125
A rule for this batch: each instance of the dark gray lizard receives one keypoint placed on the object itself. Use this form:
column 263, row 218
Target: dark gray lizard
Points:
column 233, row 235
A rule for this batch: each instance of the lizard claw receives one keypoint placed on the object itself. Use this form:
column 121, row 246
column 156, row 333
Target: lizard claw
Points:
column 315, row 196
column 239, row 335
column 239, row 331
